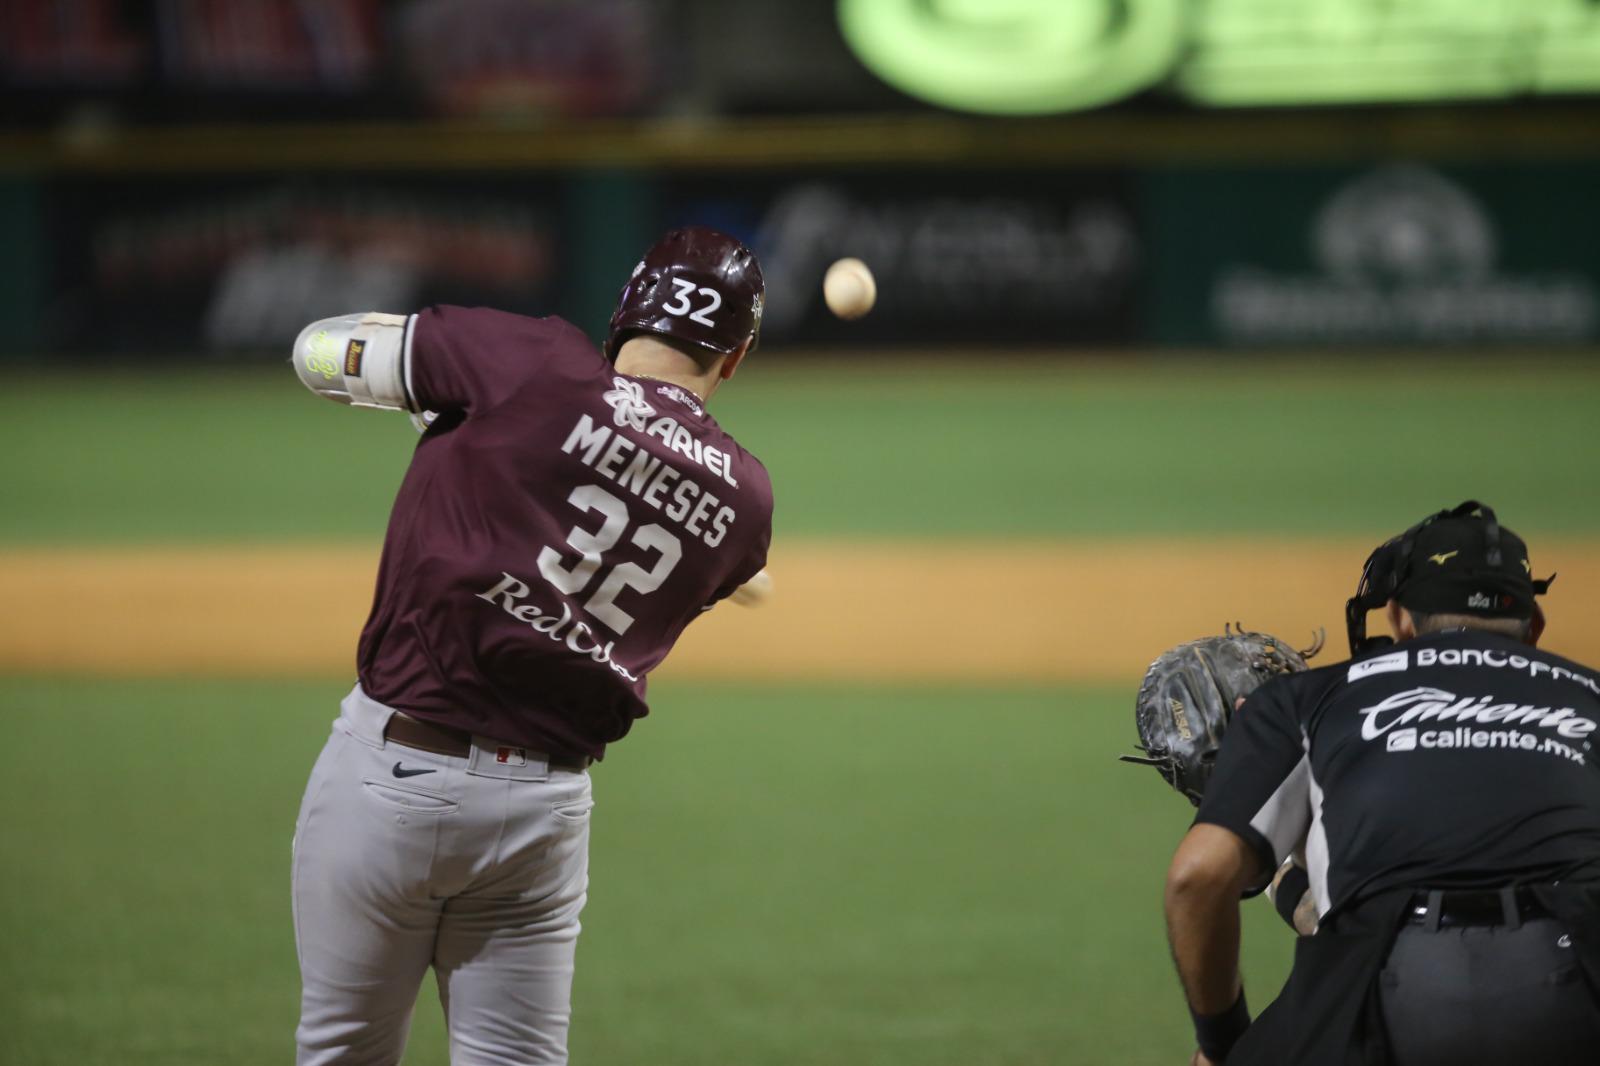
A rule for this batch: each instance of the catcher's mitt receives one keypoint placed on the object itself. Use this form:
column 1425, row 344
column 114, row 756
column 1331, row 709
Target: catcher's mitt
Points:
column 1188, row 695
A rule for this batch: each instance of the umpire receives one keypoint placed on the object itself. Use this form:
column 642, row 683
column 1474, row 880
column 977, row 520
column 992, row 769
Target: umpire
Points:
column 1445, row 788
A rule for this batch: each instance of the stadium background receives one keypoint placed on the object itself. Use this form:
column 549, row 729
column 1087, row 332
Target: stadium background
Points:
column 1157, row 347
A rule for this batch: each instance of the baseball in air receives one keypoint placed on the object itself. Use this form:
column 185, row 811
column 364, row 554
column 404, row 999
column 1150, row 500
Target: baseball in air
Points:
column 849, row 289
column 755, row 592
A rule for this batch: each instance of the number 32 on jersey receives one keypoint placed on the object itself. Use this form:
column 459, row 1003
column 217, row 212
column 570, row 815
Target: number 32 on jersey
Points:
column 592, row 545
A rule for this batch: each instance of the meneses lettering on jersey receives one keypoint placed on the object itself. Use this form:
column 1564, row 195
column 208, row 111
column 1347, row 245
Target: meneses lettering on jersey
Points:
column 651, row 479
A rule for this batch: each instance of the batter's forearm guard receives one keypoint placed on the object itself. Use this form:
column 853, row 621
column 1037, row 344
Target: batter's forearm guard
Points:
column 356, row 359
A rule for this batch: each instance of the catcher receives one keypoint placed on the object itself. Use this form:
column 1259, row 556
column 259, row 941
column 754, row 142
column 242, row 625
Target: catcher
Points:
column 1185, row 702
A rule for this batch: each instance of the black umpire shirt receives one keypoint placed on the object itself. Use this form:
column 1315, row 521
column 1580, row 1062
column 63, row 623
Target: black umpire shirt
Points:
column 1459, row 759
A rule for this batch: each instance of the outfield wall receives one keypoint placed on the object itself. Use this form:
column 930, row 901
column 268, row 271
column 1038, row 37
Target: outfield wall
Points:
column 1438, row 229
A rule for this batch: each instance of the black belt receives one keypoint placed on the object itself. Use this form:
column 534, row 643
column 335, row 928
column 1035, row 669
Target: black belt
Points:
column 447, row 740
column 1504, row 906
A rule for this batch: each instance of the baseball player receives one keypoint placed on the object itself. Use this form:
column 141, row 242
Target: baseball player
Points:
column 1447, row 788
column 566, row 514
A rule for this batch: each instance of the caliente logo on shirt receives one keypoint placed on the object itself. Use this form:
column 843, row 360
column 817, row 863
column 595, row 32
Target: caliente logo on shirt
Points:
column 1436, row 705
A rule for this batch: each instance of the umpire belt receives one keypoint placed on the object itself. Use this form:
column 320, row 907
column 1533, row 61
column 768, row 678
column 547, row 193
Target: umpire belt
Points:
column 445, row 740
column 1509, row 906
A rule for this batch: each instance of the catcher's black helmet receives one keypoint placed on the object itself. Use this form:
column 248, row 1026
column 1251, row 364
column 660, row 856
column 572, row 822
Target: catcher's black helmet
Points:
column 695, row 285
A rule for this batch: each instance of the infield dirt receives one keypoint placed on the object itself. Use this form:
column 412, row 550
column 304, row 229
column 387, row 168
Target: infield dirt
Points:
column 985, row 610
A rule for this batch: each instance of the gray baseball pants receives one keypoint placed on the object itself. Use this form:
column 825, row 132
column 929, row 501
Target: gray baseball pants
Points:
column 404, row 859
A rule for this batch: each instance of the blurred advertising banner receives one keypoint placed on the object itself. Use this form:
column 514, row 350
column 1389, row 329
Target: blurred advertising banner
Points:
column 331, row 47
column 960, row 256
column 1381, row 254
column 175, row 60
column 509, row 57
column 1385, row 254
column 239, row 265
column 1046, row 56
column 128, row 58
column 284, row 59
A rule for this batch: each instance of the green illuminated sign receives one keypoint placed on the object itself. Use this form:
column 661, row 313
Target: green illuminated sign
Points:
column 1047, row 56
column 1018, row 56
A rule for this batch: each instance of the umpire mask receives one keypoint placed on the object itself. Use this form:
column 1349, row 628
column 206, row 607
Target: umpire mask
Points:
column 1460, row 561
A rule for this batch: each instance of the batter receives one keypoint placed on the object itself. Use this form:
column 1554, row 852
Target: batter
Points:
column 566, row 514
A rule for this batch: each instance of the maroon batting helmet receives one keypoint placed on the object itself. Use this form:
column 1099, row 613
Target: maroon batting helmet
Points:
column 694, row 285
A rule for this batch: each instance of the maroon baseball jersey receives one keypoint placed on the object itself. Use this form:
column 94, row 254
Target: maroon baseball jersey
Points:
column 559, row 526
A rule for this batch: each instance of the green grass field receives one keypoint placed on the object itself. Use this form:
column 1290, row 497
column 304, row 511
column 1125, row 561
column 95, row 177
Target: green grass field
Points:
column 807, row 875
column 781, row 875
column 1344, row 446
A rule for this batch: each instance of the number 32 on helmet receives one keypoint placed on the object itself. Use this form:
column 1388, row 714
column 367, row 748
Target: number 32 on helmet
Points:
column 695, row 285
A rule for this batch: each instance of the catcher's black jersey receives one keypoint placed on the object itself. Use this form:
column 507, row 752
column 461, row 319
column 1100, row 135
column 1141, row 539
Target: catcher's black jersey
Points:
column 1461, row 758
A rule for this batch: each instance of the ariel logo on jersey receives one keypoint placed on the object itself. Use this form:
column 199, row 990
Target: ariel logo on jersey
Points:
column 1425, row 704
column 627, row 400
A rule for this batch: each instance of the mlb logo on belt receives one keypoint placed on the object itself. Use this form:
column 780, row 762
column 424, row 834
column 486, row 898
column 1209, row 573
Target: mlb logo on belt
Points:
column 511, row 756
